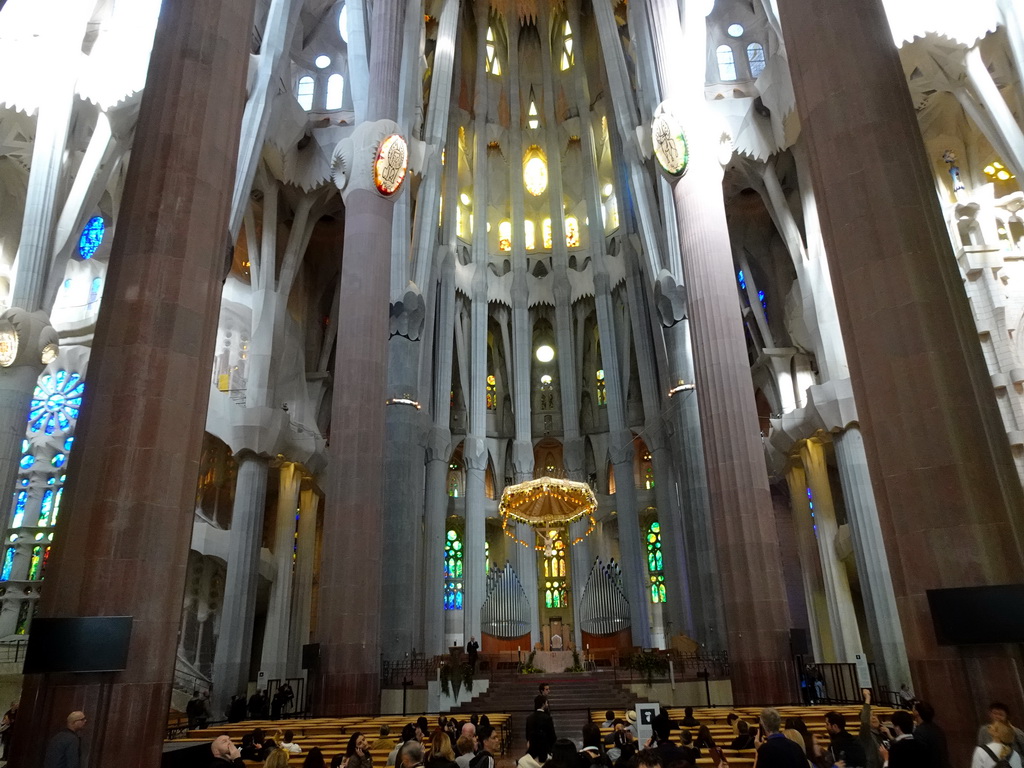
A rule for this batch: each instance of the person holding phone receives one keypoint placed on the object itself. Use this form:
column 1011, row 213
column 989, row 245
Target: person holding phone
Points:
column 773, row 749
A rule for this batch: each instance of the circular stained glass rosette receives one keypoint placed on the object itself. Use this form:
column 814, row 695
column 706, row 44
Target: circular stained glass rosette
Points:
column 391, row 165
column 544, row 503
column 670, row 145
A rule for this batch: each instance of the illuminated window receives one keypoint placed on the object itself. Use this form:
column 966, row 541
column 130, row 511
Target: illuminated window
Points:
column 454, row 479
column 572, row 232
column 531, row 235
column 567, row 57
column 742, row 280
column 996, row 171
column 343, row 22
column 55, row 402
column 726, row 63
column 461, row 215
column 492, row 393
column 602, row 396
column 755, row 57
column 505, row 235
column 452, row 570
column 545, row 232
column 535, row 171
column 611, row 214
column 547, row 393
column 335, row 91
column 492, row 65
column 533, row 120
column 304, row 93
column 555, row 592
column 91, row 237
column 655, row 563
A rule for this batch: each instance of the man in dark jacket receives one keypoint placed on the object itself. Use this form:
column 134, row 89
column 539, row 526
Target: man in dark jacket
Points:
column 775, row 750
column 906, row 751
column 931, row 735
column 845, row 746
column 64, row 749
column 540, row 729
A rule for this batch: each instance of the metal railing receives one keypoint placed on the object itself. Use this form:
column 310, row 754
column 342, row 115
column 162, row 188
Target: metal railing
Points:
column 416, row 667
column 13, row 651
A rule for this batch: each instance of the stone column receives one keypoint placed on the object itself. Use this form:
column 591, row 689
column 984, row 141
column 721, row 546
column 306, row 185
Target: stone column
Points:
column 810, row 570
column 278, row 629
column 883, row 619
column 302, row 583
column 349, row 629
column 756, row 611
column 130, row 497
column 943, row 474
column 842, row 618
column 234, row 643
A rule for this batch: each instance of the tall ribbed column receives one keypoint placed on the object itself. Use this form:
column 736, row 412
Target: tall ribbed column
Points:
column 843, row 619
column 349, row 628
column 129, row 502
column 937, row 451
column 302, row 583
column 275, row 636
column 234, row 641
column 756, row 611
column 810, row 571
column 869, row 550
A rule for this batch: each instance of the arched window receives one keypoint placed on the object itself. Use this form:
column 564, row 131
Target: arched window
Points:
column 726, row 63
column 94, row 289
column 567, row 57
column 452, row 570
column 335, row 91
column 533, row 119
column 343, row 23
column 91, row 238
column 545, row 231
column 755, row 57
column 492, row 393
column 304, row 93
column 535, row 171
column 492, row 65
column 655, row 563
column 454, row 478
column 572, row 232
column 554, row 555
column 531, row 235
column 647, row 470
column 547, row 393
column 602, row 396
column 505, row 235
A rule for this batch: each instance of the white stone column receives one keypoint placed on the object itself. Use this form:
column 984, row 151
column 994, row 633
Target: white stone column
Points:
column 234, row 644
column 810, row 571
column 842, row 617
column 302, row 582
column 869, row 550
column 275, row 636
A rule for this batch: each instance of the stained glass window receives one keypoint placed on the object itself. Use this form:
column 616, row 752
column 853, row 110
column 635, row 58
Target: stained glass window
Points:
column 755, row 57
column 19, row 508
column 810, row 506
column 56, row 402
column 533, row 119
column 726, row 63
column 8, row 564
column 648, row 470
column 27, row 461
column 545, row 230
column 555, row 594
column 572, row 232
column 46, row 508
column 655, row 563
column 452, row 570
column 37, row 567
column 492, row 65
column 535, row 171
column 56, row 505
column 505, row 235
column 531, row 235
column 91, row 237
column 602, row 395
column 741, row 278
column 554, row 555
column 492, row 393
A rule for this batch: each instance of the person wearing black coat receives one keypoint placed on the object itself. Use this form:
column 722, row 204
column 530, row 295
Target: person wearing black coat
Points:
column 540, row 729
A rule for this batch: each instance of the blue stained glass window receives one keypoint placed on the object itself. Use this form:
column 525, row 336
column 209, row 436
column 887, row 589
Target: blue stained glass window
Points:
column 19, row 508
column 56, row 402
column 70, row 441
column 742, row 279
column 56, row 506
column 58, row 460
column 27, row 461
column 8, row 564
column 92, row 236
column 452, row 570
column 46, row 509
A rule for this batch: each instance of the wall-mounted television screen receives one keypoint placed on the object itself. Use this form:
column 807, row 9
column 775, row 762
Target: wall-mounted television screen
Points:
column 80, row 644
column 973, row 615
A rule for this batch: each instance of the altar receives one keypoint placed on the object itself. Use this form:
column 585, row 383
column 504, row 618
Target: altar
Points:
column 553, row 662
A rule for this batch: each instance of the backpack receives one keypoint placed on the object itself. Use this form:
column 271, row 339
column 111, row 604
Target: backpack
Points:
column 1000, row 762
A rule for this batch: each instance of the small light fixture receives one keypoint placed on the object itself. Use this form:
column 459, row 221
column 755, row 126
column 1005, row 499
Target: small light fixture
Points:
column 464, row 198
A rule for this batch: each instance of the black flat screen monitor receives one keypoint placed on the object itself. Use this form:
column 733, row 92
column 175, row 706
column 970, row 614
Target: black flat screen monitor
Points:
column 80, row 644
column 976, row 615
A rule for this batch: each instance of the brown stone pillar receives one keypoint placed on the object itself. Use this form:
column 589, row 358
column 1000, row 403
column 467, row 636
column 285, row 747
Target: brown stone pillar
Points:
column 350, row 582
column 753, row 584
column 121, row 544
column 940, row 462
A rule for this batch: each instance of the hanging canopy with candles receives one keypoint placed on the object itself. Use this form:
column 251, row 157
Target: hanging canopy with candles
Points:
column 546, row 502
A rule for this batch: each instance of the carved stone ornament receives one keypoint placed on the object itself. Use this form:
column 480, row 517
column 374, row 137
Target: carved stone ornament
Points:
column 669, row 140
column 374, row 156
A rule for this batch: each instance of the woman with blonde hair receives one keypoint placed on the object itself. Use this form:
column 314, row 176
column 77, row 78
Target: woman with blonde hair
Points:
column 277, row 759
column 441, row 753
column 797, row 738
column 998, row 749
